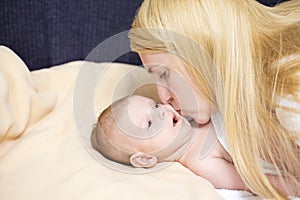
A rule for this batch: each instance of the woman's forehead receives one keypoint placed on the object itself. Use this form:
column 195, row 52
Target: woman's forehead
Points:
column 153, row 62
column 160, row 58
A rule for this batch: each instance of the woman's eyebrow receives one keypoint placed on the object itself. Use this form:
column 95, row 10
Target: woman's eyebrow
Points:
column 150, row 68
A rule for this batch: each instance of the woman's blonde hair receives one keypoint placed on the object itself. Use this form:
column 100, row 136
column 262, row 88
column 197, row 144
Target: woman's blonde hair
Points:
column 243, row 56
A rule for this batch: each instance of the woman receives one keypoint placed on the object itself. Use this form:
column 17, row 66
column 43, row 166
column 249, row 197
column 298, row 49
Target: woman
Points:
column 242, row 60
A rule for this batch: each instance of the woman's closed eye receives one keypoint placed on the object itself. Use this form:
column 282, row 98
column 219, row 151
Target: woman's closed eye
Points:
column 165, row 74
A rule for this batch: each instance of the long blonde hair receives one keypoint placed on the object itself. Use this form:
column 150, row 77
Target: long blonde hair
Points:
column 247, row 44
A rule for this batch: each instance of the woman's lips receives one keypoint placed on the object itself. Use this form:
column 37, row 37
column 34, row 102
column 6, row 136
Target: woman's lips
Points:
column 188, row 118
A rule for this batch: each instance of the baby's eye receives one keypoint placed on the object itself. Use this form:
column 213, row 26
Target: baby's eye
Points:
column 156, row 105
column 149, row 123
column 165, row 74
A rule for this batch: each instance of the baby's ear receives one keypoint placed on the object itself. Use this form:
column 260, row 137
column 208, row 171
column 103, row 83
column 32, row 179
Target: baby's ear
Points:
column 140, row 159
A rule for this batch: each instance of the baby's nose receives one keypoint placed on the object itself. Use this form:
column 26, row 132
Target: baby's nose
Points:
column 161, row 112
column 168, row 107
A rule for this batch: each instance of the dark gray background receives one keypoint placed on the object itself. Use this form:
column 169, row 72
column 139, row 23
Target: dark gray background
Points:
column 46, row 33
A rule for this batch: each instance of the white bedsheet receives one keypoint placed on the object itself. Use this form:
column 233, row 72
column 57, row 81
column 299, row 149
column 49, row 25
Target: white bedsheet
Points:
column 241, row 195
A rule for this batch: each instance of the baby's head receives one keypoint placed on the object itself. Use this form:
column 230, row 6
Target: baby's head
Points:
column 137, row 131
column 103, row 135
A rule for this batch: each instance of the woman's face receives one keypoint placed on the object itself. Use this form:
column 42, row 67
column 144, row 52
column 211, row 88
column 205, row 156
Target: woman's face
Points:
column 176, row 87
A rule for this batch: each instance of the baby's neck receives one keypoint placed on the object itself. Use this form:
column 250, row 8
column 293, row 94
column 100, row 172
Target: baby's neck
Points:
column 201, row 145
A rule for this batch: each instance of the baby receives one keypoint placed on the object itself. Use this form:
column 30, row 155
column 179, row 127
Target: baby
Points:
column 137, row 131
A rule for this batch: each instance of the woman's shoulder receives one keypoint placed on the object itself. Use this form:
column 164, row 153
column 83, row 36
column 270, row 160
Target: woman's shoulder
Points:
column 288, row 112
column 219, row 126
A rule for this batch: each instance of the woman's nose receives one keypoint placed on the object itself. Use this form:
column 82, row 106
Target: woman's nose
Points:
column 164, row 94
column 167, row 97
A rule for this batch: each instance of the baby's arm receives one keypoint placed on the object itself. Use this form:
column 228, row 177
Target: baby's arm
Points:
column 223, row 175
column 220, row 172
column 216, row 167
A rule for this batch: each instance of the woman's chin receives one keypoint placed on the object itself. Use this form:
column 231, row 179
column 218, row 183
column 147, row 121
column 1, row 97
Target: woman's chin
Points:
column 202, row 121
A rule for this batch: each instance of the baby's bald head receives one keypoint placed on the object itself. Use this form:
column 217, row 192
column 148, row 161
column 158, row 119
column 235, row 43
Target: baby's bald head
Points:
column 104, row 134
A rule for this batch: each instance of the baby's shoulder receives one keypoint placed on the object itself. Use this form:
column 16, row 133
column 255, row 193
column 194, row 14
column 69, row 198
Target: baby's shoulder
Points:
column 219, row 152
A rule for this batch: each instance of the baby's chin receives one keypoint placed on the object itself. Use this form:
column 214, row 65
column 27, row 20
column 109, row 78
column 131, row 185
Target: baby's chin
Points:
column 186, row 125
column 190, row 121
column 187, row 131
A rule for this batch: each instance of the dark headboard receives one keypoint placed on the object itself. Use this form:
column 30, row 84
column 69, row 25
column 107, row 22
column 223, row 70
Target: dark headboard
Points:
column 46, row 33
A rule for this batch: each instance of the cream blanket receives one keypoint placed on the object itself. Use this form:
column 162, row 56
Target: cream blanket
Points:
column 42, row 153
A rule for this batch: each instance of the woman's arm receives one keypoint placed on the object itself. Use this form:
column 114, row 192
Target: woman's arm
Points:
column 286, row 186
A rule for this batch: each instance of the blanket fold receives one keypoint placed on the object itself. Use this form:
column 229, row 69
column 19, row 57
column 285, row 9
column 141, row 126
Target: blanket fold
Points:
column 22, row 105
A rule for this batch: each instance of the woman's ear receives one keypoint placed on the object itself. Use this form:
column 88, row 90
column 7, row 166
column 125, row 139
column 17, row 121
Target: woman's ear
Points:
column 140, row 159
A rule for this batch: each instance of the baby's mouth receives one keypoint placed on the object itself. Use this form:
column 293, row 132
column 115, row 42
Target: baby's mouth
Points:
column 175, row 120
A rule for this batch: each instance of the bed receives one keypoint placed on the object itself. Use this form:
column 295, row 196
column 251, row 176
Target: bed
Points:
column 42, row 155
column 46, row 119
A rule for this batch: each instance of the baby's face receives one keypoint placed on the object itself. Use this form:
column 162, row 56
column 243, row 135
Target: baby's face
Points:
column 149, row 127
